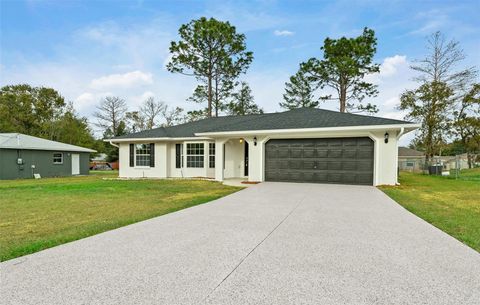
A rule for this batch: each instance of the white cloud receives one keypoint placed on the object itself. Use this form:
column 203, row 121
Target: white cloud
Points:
column 126, row 80
column 283, row 33
column 391, row 65
column 392, row 102
column 84, row 99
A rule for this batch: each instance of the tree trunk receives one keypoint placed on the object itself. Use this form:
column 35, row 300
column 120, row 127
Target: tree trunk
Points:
column 343, row 98
column 209, row 108
column 217, row 102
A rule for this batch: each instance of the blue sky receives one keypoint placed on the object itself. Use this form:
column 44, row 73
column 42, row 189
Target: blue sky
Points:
column 89, row 49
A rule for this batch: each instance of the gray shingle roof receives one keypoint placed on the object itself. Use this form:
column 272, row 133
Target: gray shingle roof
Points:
column 21, row 141
column 292, row 119
column 408, row 152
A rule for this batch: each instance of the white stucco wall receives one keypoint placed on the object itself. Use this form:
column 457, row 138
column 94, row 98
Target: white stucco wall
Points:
column 159, row 171
column 164, row 162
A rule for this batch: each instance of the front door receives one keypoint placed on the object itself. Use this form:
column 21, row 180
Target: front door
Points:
column 75, row 164
column 246, row 159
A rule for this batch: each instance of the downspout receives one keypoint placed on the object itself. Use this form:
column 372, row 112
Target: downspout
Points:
column 111, row 143
column 401, row 133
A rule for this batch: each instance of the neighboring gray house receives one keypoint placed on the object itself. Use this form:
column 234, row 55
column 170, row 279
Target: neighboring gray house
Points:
column 22, row 156
column 410, row 159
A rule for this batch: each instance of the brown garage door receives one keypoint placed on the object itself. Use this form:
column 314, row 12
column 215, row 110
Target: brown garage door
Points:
column 325, row 160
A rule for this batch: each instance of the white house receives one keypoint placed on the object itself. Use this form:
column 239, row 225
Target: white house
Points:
column 301, row 145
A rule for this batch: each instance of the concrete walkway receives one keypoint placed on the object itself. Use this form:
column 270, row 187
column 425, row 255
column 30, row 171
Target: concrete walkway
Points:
column 273, row 243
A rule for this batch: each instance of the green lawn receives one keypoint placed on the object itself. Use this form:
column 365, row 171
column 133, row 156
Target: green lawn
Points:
column 38, row 214
column 449, row 204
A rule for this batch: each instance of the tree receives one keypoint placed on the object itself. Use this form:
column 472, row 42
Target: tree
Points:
column 429, row 104
column 243, row 102
column 110, row 113
column 150, row 111
column 195, row 115
column 466, row 124
column 345, row 63
column 73, row 129
column 209, row 50
column 30, row 110
column 135, row 121
column 172, row 116
column 441, row 90
column 299, row 93
column 440, row 64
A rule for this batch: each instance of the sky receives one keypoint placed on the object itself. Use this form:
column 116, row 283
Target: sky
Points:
column 91, row 49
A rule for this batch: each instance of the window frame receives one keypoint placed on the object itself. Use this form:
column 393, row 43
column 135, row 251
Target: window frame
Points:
column 147, row 148
column 61, row 158
column 211, row 156
column 197, row 152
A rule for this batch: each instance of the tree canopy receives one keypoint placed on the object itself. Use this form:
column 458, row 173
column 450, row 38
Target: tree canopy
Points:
column 299, row 93
column 242, row 102
column 211, row 51
column 345, row 63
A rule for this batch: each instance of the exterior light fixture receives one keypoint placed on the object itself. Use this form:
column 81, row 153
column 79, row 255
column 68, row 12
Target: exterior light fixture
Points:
column 255, row 141
column 386, row 137
column 241, row 140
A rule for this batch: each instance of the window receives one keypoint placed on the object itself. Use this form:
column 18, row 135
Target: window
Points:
column 57, row 158
column 142, row 154
column 410, row 164
column 211, row 155
column 195, row 155
column 178, row 155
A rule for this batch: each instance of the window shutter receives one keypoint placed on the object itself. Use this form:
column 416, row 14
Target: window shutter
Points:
column 152, row 154
column 178, row 163
column 132, row 155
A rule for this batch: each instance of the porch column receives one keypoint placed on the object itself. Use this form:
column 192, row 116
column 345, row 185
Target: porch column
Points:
column 256, row 158
column 219, row 156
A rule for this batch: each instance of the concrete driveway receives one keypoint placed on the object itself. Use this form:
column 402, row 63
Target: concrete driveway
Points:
column 273, row 243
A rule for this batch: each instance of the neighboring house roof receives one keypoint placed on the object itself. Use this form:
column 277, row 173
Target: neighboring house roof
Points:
column 21, row 141
column 292, row 119
column 408, row 152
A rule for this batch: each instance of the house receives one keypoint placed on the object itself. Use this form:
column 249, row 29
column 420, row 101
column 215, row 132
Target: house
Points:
column 22, row 156
column 410, row 159
column 414, row 161
column 452, row 162
column 301, row 145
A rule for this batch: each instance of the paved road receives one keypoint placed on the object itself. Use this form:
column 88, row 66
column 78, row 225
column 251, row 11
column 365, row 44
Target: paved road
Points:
column 274, row 243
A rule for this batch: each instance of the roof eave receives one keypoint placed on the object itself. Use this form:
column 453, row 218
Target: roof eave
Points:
column 195, row 138
column 408, row 127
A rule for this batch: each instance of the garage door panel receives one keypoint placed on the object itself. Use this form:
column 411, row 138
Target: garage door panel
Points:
column 283, row 152
column 335, row 153
column 364, row 154
column 296, row 153
column 349, row 165
column 349, row 153
column 309, row 153
column 322, row 165
column 335, row 165
column 322, row 153
column 325, row 160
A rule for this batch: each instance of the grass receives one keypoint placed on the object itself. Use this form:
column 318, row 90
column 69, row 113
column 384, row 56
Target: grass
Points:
column 452, row 205
column 38, row 214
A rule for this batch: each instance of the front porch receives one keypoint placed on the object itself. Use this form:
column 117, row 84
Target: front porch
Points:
column 240, row 158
